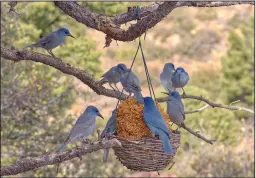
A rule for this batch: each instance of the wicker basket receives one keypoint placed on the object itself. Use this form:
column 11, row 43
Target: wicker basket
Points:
column 146, row 154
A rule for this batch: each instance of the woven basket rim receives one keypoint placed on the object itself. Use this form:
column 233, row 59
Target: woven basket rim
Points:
column 142, row 138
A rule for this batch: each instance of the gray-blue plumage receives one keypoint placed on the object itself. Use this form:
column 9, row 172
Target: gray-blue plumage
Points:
column 84, row 125
column 110, row 128
column 138, row 96
column 132, row 85
column 156, row 123
column 166, row 76
column 52, row 40
column 180, row 78
column 175, row 108
column 113, row 75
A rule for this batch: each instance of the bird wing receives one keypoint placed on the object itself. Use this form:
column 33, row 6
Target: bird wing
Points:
column 135, row 81
column 47, row 39
column 180, row 106
column 155, row 118
column 110, row 72
column 166, row 81
column 80, row 125
column 111, row 125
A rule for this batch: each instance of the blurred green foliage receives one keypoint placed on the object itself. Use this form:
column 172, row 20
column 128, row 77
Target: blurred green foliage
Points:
column 36, row 99
column 238, row 66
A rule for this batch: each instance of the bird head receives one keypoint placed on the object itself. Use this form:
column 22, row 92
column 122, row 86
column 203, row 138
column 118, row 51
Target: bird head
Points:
column 179, row 71
column 65, row 32
column 149, row 102
column 169, row 66
column 122, row 68
column 93, row 111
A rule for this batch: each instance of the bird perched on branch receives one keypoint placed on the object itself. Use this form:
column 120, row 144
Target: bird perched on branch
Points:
column 131, row 84
column 52, row 40
column 175, row 109
column 110, row 128
column 166, row 76
column 156, row 123
column 180, row 78
column 113, row 75
column 84, row 126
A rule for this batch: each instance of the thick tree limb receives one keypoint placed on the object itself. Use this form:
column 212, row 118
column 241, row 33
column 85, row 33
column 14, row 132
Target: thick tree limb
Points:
column 149, row 15
column 86, row 78
column 110, row 25
column 32, row 163
column 212, row 3
column 66, row 68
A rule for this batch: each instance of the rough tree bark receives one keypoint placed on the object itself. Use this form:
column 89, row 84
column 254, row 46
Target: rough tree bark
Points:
column 31, row 163
column 150, row 16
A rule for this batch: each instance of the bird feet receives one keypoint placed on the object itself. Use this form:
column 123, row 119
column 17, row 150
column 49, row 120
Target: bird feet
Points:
column 99, row 133
column 78, row 153
column 86, row 141
column 177, row 128
column 183, row 94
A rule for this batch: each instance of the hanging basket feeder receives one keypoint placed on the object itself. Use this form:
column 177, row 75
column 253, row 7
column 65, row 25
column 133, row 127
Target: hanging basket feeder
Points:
column 146, row 154
column 140, row 151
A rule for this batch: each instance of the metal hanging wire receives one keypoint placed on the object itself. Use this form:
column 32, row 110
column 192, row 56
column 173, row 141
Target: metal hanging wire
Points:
column 128, row 74
column 150, row 86
column 147, row 73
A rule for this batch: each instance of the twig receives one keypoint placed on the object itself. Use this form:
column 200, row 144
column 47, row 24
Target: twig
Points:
column 211, row 103
column 31, row 163
column 234, row 102
column 197, row 134
column 12, row 4
column 197, row 110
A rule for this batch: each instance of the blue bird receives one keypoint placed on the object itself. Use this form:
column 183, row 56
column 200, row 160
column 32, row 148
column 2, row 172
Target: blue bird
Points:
column 156, row 123
column 132, row 85
column 180, row 78
column 175, row 109
column 84, row 126
column 110, row 128
column 166, row 76
column 52, row 40
column 113, row 75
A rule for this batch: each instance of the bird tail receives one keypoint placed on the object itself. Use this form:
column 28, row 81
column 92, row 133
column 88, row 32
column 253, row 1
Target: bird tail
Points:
column 61, row 147
column 166, row 142
column 102, row 81
column 105, row 156
column 139, row 97
column 32, row 45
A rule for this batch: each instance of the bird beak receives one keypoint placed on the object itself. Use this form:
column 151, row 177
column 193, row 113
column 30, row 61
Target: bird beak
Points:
column 100, row 116
column 71, row 36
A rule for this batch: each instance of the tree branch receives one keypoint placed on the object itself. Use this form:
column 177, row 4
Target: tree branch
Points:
column 197, row 134
column 150, row 16
column 212, row 3
column 31, row 163
column 197, row 110
column 86, row 78
column 110, row 25
column 212, row 104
